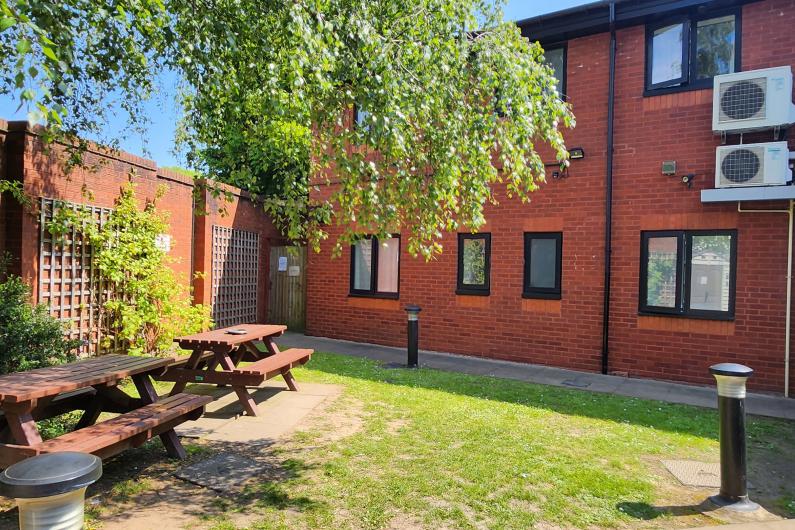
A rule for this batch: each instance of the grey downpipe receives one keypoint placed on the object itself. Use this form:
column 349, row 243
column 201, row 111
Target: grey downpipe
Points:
column 609, row 193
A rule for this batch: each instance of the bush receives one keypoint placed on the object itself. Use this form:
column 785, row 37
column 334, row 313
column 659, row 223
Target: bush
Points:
column 29, row 336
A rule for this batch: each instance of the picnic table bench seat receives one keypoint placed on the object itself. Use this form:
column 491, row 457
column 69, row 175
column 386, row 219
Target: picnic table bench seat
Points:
column 113, row 436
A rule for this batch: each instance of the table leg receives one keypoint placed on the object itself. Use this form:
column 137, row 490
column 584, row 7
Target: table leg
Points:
column 290, row 380
column 21, row 424
column 148, row 395
column 192, row 363
column 92, row 412
column 272, row 347
column 242, row 393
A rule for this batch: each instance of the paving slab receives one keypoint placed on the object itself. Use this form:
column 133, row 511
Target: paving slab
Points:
column 224, row 472
column 280, row 412
column 701, row 396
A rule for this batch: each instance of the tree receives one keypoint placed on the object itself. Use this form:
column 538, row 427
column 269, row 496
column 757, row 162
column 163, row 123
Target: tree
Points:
column 451, row 92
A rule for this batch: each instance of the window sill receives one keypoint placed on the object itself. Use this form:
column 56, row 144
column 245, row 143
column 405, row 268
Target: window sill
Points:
column 686, row 316
column 651, row 92
column 382, row 296
column 472, row 292
column 700, row 326
column 542, row 296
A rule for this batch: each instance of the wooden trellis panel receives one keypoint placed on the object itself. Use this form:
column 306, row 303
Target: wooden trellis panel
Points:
column 68, row 282
column 235, row 276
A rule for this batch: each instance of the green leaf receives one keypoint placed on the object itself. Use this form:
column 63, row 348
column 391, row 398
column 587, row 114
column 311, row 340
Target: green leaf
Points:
column 49, row 53
column 6, row 22
column 23, row 46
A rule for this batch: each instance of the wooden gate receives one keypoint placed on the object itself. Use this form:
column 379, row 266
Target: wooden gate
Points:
column 287, row 298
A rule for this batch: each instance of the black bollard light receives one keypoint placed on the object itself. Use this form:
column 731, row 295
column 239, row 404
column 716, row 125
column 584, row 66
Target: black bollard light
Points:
column 413, row 313
column 731, row 380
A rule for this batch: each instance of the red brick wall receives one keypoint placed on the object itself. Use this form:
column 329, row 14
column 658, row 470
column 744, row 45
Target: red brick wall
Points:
column 567, row 333
column 99, row 184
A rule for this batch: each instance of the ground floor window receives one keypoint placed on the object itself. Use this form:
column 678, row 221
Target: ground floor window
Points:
column 375, row 267
column 474, row 264
column 688, row 273
column 542, row 264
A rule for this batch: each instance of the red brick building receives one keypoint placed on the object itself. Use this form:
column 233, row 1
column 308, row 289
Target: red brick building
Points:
column 689, row 283
column 228, row 245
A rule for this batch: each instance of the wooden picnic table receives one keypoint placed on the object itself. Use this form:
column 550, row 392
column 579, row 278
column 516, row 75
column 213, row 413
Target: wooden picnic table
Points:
column 216, row 355
column 91, row 385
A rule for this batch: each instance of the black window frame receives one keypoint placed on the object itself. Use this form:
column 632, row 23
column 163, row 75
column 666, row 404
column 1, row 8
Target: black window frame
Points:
column 547, row 293
column 689, row 51
column 561, row 46
column 373, row 292
column 469, row 289
column 684, row 258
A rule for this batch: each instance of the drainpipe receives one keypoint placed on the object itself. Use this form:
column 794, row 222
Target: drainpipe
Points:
column 787, row 324
column 609, row 192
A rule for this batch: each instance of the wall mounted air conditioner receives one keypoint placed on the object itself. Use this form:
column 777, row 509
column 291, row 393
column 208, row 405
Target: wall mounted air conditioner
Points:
column 764, row 164
column 755, row 100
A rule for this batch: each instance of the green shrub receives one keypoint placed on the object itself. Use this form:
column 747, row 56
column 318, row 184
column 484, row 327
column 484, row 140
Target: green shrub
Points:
column 29, row 336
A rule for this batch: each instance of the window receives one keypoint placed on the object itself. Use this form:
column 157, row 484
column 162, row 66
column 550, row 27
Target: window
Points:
column 474, row 264
column 555, row 57
column 688, row 273
column 375, row 267
column 689, row 52
column 542, row 265
column 361, row 119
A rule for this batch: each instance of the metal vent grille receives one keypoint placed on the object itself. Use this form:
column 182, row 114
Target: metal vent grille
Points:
column 234, row 276
column 743, row 100
column 69, row 283
column 742, row 166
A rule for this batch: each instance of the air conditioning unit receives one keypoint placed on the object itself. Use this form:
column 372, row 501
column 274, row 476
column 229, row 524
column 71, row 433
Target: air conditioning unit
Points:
column 755, row 100
column 764, row 164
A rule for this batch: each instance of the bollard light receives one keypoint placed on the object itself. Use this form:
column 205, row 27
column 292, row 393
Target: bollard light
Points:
column 731, row 380
column 50, row 489
column 413, row 315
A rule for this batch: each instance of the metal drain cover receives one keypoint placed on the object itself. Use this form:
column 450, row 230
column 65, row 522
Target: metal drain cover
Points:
column 693, row 473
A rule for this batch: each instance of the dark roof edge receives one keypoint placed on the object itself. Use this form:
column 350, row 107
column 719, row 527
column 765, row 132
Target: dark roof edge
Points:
column 594, row 17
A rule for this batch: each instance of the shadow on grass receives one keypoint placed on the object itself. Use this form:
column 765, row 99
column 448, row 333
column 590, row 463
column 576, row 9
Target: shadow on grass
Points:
column 646, row 512
column 139, row 485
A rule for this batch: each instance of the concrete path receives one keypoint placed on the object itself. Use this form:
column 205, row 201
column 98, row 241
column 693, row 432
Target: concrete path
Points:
column 760, row 404
column 280, row 411
column 769, row 525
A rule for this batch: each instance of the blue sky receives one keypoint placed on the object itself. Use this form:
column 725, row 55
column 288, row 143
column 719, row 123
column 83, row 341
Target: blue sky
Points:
column 162, row 112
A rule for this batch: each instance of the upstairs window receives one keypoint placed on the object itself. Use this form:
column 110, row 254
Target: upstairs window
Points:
column 689, row 52
column 555, row 57
column 542, row 265
column 688, row 273
column 474, row 264
column 361, row 119
column 375, row 267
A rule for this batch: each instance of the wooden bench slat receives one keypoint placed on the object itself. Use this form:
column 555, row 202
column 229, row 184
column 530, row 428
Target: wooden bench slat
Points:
column 283, row 359
column 101, row 435
column 220, row 337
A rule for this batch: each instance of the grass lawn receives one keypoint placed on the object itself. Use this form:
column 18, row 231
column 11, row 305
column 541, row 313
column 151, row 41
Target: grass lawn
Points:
column 423, row 448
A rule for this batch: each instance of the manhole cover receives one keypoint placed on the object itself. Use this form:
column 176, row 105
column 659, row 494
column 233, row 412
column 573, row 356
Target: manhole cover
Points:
column 223, row 472
column 693, row 473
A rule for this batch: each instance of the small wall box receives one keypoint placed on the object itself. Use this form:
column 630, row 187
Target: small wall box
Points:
column 752, row 101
